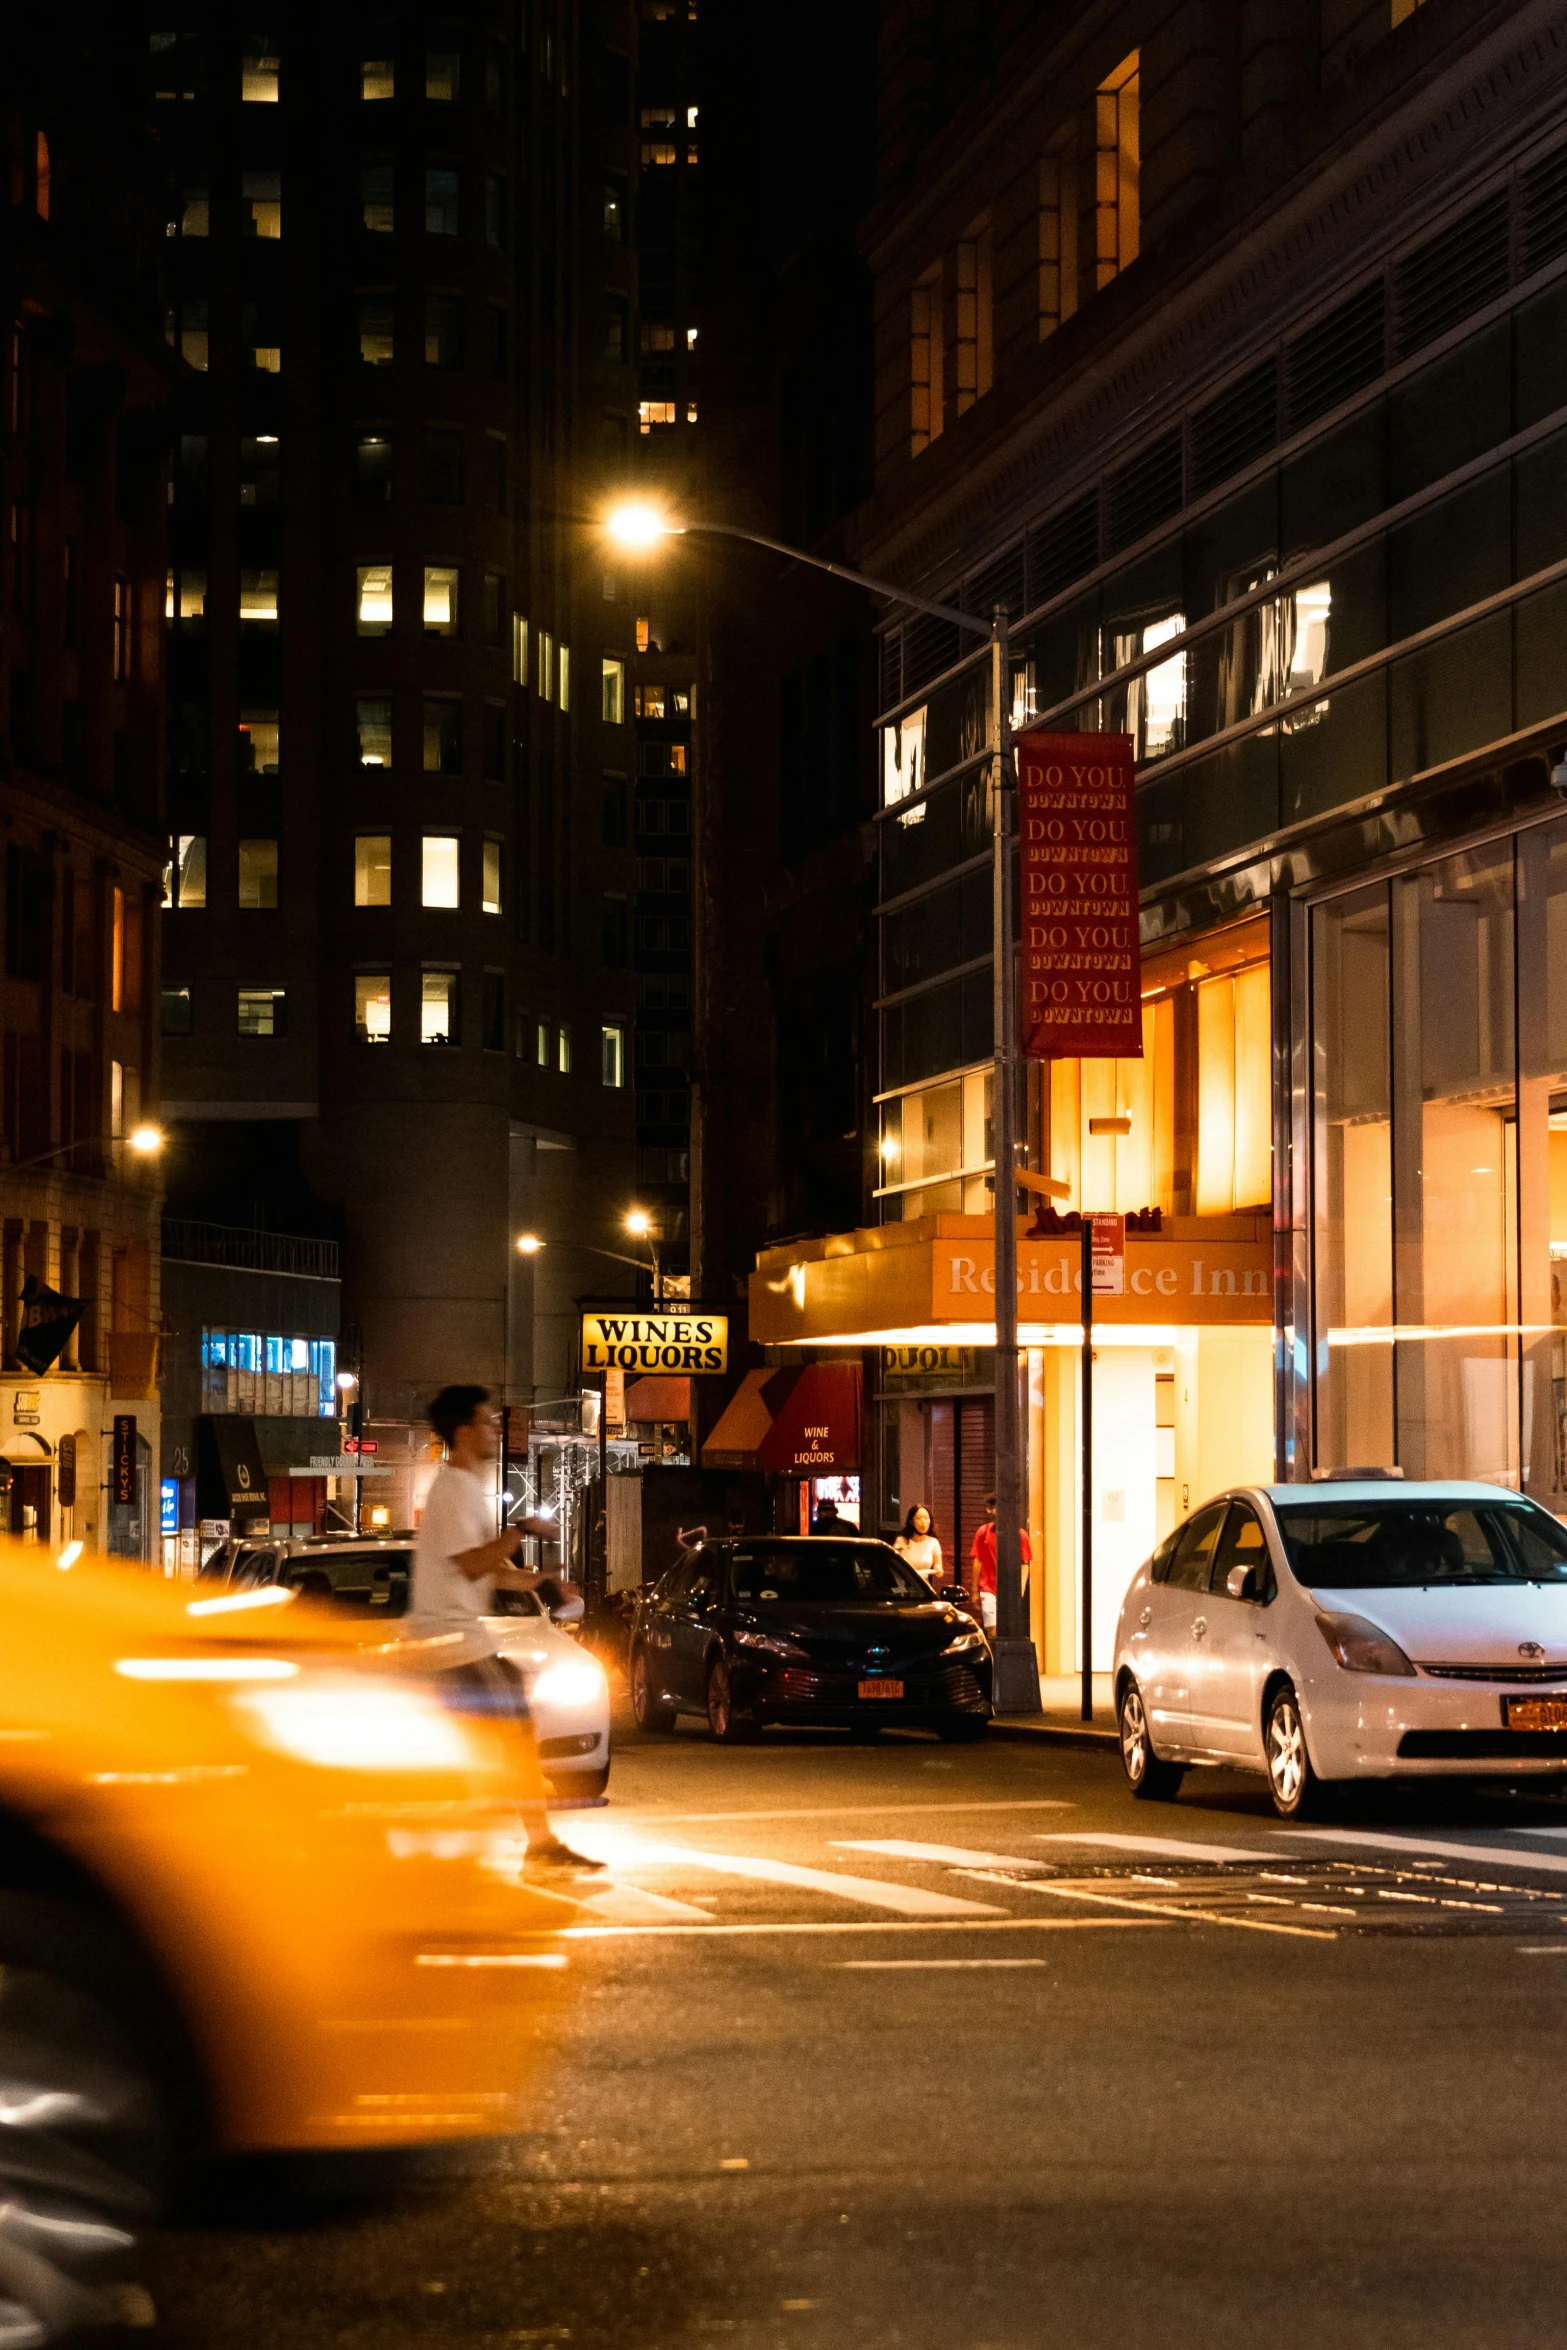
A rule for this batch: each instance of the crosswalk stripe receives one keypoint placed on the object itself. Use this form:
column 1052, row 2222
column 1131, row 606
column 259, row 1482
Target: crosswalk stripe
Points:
column 866, row 1892
column 1162, row 1847
column 1434, row 1848
column 955, row 1856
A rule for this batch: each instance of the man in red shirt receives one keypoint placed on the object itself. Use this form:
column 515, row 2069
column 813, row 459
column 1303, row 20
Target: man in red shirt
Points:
column 983, row 1561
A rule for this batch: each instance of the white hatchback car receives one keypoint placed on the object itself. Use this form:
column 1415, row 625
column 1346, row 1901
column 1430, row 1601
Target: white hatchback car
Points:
column 1354, row 1630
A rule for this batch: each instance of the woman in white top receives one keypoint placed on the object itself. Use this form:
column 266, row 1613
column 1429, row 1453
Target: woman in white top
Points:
column 918, row 1545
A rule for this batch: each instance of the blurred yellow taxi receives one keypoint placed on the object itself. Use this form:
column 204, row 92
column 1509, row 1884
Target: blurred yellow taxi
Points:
column 261, row 1887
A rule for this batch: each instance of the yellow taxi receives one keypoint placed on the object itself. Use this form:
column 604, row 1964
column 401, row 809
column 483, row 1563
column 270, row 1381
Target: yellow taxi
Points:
column 261, row 1887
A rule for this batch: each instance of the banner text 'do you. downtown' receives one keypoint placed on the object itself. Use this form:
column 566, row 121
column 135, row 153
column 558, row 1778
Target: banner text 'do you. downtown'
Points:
column 1081, row 952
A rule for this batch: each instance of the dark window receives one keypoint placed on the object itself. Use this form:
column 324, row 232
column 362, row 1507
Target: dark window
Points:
column 176, row 1011
column 824, row 1573
column 494, row 81
column 1244, row 1545
column 614, row 805
column 615, row 327
column 617, row 207
column 442, row 214
column 495, row 472
column 494, row 742
column 494, row 608
column 494, row 1037
column 1192, row 1565
column 495, row 340
column 375, row 329
column 617, row 87
column 27, row 906
column 1393, row 1545
column 373, row 727
column 442, row 734
column 615, row 932
column 375, row 198
column 442, row 331
column 373, row 469
column 494, row 209
column 443, row 465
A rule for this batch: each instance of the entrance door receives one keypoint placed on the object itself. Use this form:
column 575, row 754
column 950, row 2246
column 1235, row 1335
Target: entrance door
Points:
column 1231, row 1662
column 29, row 1515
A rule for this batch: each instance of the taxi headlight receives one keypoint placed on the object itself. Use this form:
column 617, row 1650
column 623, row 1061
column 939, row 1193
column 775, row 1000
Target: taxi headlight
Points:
column 356, row 1726
column 1361, row 1647
column 574, row 1680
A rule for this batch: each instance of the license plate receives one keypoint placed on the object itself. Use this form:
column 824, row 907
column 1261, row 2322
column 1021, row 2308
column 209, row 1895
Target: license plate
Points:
column 881, row 1688
column 1535, row 1713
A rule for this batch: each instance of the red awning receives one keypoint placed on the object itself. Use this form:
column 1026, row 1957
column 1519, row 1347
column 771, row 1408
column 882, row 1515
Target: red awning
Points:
column 658, row 1399
column 805, row 1422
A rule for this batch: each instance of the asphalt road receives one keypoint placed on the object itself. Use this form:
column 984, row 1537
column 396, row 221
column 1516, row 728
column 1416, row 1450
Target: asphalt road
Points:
column 897, row 2045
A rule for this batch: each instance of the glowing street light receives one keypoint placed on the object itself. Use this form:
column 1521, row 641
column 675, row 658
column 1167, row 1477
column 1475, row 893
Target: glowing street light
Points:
column 639, row 1223
column 528, row 1244
column 146, row 1140
column 638, row 525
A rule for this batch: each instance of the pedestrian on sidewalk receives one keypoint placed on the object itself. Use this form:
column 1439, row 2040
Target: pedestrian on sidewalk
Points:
column 917, row 1546
column 459, row 1565
column 983, row 1561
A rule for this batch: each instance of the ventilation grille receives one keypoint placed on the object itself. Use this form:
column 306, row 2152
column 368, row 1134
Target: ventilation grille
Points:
column 1143, row 494
column 1337, row 356
column 1542, row 211
column 929, row 647
column 1063, row 549
column 1001, row 582
column 1454, row 275
column 1240, row 424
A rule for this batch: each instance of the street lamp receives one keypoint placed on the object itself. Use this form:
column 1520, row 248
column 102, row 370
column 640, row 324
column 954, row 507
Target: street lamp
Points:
column 638, row 525
column 528, row 1244
column 146, row 1141
column 640, row 1226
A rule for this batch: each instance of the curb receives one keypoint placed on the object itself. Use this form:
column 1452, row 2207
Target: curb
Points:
column 1082, row 1734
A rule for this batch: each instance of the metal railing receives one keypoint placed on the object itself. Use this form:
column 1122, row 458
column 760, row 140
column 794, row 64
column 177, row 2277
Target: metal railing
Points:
column 246, row 1251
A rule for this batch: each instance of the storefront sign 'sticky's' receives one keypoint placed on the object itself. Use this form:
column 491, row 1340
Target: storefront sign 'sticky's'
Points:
column 1081, row 960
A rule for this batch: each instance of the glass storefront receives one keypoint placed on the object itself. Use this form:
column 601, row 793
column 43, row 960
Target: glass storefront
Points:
column 1438, row 1054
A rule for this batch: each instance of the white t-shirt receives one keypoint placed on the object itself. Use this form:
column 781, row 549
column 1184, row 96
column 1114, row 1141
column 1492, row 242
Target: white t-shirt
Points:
column 459, row 1515
column 922, row 1551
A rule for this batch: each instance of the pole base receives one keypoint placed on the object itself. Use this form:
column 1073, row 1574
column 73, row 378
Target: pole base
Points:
column 1017, row 1677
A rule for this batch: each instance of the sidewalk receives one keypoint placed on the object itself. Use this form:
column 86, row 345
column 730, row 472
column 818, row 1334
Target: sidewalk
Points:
column 1061, row 1697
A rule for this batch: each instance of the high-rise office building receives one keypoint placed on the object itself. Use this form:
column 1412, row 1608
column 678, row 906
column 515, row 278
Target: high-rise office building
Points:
column 403, row 289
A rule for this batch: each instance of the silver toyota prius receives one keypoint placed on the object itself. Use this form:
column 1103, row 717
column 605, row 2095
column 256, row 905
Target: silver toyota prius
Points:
column 1348, row 1631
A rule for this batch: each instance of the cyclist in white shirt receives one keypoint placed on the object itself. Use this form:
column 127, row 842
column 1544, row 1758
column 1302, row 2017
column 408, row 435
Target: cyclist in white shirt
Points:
column 459, row 1565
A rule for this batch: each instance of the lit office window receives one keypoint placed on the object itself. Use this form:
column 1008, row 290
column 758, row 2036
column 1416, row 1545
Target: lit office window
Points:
column 258, row 72
column 565, row 677
column 1234, row 1136
column 261, row 204
column 372, row 869
column 185, row 875
column 546, row 665
column 375, row 599
column 519, row 649
column 563, row 1050
column 438, row 1008
column 440, row 599
column 266, row 1375
column 263, row 1011
column 372, row 1007
column 258, row 874
column 258, row 598
column 543, row 1041
column 377, row 80
column 614, row 1056
column 373, row 722
column 491, row 899
column 375, row 199
column 438, row 880
column 375, row 330
column 614, row 705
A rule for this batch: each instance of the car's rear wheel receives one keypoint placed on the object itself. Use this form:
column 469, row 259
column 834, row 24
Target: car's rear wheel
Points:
column 1298, row 1794
column 961, row 1729
column 646, row 1710
column 1148, row 1775
column 728, row 1727
column 91, row 2121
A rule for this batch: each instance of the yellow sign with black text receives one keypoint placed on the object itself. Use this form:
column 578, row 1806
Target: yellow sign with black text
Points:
column 617, row 1339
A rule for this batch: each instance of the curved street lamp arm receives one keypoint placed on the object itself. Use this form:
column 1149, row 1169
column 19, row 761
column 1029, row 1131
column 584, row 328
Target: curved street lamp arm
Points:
column 877, row 587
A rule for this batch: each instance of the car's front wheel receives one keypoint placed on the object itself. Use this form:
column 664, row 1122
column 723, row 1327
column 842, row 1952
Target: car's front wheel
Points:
column 87, row 2149
column 1298, row 1794
column 728, row 1727
column 646, row 1711
column 1148, row 1775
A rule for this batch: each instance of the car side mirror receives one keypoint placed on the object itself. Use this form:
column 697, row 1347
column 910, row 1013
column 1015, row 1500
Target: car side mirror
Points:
column 1241, row 1583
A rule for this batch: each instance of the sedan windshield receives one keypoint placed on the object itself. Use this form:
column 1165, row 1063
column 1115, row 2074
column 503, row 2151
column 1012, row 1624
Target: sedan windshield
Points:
column 1385, row 1545
column 825, row 1574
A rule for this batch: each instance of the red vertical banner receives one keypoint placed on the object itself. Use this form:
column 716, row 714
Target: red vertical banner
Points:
column 1082, row 964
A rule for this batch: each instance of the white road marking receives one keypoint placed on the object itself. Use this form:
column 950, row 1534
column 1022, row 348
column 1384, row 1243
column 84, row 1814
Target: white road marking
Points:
column 896, row 1966
column 956, row 1856
column 985, row 1925
column 1185, row 1914
column 1163, row 1847
column 1434, row 1848
column 1542, row 1949
column 867, row 1892
column 636, row 1905
column 840, row 1811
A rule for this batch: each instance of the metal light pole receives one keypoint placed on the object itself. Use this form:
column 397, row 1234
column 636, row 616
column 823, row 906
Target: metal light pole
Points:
column 1017, row 1670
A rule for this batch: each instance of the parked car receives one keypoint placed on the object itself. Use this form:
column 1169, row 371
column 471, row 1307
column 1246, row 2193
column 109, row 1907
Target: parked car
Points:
column 225, row 1922
column 1361, row 1629
column 367, row 1577
column 805, row 1628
